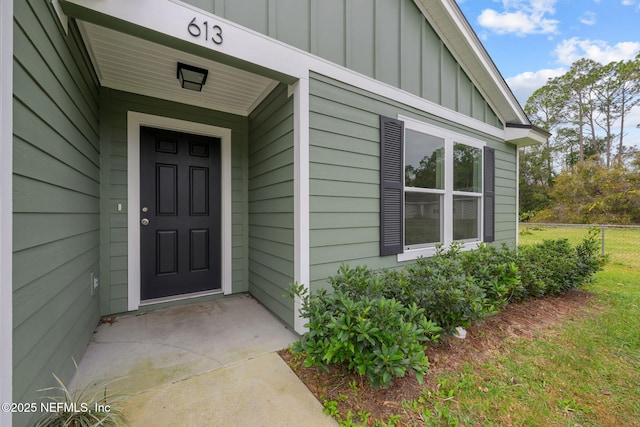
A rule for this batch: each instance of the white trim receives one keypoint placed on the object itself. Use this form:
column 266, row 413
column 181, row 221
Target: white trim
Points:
column 420, row 126
column 521, row 137
column 171, row 18
column 262, row 97
column 450, row 139
column 64, row 20
column 134, row 121
column 301, row 194
column 414, row 254
column 6, row 207
column 178, row 297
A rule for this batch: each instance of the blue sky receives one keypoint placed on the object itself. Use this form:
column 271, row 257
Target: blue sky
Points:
column 533, row 40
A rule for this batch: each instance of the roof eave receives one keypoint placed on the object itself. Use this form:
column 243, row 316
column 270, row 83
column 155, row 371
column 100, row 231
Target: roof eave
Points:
column 524, row 135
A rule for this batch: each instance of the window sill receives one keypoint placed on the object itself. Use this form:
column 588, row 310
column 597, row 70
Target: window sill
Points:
column 413, row 254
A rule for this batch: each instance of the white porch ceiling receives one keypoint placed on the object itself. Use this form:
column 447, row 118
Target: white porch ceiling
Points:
column 130, row 64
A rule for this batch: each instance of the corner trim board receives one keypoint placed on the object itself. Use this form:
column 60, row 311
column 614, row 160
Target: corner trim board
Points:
column 6, row 207
column 301, row 194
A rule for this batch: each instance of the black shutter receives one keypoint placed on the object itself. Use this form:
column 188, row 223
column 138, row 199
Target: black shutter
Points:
column 391, row 185
column 489, row 194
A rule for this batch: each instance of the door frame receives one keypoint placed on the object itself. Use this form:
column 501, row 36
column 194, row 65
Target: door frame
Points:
column 134, row 121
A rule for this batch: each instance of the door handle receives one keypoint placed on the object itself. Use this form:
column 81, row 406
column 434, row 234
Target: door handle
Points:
column 144, row 221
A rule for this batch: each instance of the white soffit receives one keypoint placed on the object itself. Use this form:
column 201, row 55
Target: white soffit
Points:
column 130, row 64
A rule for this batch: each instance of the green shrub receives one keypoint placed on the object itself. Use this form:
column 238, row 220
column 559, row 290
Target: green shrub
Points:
column 589, row 261
column 361, row 281
column 378, row 337
column 554, row 266
column 377, row 322
column 495, row 271
column 453, row 288
column 450, row 297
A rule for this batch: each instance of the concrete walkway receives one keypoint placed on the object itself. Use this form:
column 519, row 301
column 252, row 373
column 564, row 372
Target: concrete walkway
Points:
column 205, row 364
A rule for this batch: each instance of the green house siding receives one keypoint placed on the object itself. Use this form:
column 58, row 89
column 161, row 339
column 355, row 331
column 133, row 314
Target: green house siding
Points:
column 113, row 133
column 388, row 40
column 506, row 193
column 344, row 177
column 56, row 201
column 271, row 251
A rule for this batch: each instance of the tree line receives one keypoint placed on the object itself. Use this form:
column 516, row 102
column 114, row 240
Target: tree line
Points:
column 589, row 170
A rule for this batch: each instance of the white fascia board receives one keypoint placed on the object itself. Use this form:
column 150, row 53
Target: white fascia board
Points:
column 171, row 17
column 6, row 207
column 524, row 136
column 64, row 21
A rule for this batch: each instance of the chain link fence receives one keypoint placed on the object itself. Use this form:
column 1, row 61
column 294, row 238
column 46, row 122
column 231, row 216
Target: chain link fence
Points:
column 608, row 232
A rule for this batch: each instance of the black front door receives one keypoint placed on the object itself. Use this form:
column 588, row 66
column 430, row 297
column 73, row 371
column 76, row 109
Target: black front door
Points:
column 180, row 213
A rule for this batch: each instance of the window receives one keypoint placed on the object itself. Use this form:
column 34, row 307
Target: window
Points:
column 436, row 188
column 467, row 192
column 423, row 188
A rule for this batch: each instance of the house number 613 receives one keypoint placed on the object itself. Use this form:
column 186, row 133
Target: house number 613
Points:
column 196, row 31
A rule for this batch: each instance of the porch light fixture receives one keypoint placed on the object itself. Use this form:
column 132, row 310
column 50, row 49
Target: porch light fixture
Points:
column 191, row 77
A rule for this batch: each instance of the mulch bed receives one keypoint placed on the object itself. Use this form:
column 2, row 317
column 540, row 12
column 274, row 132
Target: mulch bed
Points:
column 517, row 320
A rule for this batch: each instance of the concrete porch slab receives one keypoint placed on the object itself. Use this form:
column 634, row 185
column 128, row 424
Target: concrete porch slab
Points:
column 204, row 364
column 256, row 392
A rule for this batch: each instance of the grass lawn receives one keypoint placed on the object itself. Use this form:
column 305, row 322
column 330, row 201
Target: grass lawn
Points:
column 585, row 372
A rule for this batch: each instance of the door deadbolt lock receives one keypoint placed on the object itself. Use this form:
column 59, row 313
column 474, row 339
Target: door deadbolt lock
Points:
column 145, row 209
column 144, row 221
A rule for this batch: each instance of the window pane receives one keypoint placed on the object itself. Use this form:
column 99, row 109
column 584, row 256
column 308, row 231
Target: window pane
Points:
column 424, row 160
column 467, row 168
column 465, row 217
column 422, row 213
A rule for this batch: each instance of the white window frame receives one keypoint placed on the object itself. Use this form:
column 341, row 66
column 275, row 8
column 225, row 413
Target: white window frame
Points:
column 451, row 138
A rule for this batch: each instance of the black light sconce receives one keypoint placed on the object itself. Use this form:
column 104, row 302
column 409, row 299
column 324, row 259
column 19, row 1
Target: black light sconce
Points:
column 191, row 77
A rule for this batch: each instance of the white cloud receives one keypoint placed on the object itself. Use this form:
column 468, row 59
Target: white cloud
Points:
column 521, row 17
column 631, row 3
column 588, row 18
column 569, row 51
column 524, row 84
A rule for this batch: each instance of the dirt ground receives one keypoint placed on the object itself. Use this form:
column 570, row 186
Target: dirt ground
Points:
column 524, row 320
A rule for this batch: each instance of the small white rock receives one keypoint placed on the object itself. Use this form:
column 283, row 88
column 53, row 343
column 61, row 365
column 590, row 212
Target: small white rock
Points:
column 460, row 333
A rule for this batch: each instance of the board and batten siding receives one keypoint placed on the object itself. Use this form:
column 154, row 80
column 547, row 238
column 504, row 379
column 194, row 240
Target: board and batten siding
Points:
column 388, row 40
column 56, row 193
column 113, row 134
column 271, row 238
column 345, row 176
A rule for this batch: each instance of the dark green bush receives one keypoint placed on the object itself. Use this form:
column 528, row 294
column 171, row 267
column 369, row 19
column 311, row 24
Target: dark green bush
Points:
column 378, row 337
column 495, row 270
column 554, row 266
column 449, row 296
column 377, row 322
column 455, row 288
